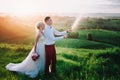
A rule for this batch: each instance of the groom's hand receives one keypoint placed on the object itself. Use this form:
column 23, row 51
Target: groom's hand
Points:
column 65, row 36
column 69, row 30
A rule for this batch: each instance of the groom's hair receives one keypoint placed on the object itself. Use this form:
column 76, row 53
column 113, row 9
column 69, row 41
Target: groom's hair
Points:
column 47, row 18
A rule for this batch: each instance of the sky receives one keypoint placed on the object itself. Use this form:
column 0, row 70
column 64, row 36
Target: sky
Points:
column 59, row 6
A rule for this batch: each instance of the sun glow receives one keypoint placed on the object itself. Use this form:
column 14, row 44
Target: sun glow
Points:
column 25, row 7
column 18, row 7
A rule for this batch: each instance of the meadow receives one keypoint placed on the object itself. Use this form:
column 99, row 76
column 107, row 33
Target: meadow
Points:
column 73, row 63
column 77, row 57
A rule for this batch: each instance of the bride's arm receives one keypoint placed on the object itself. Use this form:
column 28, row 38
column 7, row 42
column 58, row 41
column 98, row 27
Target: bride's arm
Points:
column 36, row 41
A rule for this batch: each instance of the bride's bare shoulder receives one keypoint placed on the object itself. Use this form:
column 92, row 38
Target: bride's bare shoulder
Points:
column 39, row 34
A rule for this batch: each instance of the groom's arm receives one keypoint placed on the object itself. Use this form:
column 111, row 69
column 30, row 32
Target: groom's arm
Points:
column 56, row 32
column 52, row 37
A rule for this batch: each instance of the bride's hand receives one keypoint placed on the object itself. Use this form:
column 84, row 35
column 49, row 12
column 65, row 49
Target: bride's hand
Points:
column 35, row 53
column 35, row 56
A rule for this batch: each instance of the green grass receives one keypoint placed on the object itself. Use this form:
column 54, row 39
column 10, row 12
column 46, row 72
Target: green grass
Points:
column 72, row 63
column 77, row 59
column 105, row 36
column 82, row 43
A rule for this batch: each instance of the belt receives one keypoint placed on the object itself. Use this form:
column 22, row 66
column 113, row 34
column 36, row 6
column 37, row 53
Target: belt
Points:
column 49, row 45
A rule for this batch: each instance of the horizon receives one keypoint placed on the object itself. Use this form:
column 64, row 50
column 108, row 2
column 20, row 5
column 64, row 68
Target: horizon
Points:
column 28, row 7
column 62, row 14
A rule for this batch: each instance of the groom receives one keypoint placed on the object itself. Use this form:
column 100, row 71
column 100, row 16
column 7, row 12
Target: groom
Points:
column 50, row 39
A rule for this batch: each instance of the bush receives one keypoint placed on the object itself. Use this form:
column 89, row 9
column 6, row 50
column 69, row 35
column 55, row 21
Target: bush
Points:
column 89, row 36
column 73, row 35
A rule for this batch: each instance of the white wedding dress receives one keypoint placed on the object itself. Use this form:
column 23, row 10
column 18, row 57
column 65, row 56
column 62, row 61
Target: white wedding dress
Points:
column 28, row 66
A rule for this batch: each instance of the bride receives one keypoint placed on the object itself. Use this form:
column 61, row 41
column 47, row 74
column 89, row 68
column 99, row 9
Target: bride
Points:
column 30, row 66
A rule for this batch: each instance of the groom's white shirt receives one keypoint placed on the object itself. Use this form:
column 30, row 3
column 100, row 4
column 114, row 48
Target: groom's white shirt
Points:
column 49, row 34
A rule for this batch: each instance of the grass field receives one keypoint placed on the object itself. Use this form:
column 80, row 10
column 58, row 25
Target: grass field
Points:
column 81, row 43
column 77, row 57
column 76, row 60
column 99, row 35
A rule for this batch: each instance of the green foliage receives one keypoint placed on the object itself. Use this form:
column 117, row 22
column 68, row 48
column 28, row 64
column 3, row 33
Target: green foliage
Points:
column 100, row 23
column 104, row 36
column 77, row 57
column 81, row 43
column 72, row 63
column 73, row 35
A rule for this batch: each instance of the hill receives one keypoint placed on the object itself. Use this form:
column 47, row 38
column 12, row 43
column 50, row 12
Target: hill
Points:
column 99, row 35
column 72, row 64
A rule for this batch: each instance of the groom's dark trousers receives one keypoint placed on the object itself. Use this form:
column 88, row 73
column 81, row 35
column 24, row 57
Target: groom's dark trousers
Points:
column 50, row 54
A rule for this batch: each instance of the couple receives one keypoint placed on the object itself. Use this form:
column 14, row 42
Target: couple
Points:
column 46, row 51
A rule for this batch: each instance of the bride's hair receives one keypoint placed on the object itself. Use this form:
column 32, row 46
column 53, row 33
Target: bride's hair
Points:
column 39, row 24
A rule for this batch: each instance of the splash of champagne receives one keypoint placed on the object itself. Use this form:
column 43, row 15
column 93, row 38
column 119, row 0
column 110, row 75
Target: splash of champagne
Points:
column 76, row 23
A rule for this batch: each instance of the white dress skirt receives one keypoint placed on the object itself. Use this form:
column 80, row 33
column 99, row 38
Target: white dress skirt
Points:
column 28, row 66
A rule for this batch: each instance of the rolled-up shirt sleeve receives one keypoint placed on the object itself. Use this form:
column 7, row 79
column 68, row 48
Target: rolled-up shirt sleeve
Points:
column 52, row 37
column 56, row 32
